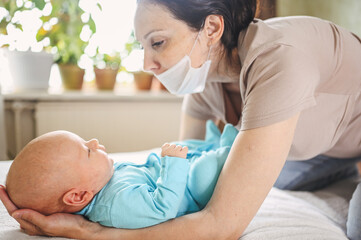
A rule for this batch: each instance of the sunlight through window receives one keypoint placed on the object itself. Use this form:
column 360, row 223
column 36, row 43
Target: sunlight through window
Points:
column 114, row 24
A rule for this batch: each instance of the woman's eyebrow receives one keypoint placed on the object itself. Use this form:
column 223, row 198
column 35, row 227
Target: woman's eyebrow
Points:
column 152, row 31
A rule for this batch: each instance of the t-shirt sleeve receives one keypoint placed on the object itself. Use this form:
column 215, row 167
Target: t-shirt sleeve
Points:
column 279, row 83
column 196, row 106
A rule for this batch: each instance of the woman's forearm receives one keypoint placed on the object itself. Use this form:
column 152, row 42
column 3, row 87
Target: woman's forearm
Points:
column 193, row 226
column 252, row 167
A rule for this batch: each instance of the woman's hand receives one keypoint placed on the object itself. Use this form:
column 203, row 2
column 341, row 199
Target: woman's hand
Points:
column 9, row 205
column 59, row 224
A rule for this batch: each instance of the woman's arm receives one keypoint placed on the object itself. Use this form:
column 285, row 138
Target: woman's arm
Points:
column 252, row 167
column 254, row 163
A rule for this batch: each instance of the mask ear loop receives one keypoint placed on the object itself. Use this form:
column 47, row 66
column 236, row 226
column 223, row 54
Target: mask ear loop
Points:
column 209, row 52
column 199, row 33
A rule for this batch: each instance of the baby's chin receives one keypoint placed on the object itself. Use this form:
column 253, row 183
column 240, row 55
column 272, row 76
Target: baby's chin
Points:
column 112, row 163
column 112, row 167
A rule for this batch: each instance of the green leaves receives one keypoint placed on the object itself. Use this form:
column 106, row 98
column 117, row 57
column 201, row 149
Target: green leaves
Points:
column 109, row 60
column 12, row 8
column 3, row 24
column 91, row 24
column 99, row 6
column 62, row 26
column 65, row 34
column 132, row 43
column 10, row 5
column 40, row 4
column 18, row 26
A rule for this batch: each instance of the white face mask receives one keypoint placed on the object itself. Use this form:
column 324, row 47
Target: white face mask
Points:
column 182, row 78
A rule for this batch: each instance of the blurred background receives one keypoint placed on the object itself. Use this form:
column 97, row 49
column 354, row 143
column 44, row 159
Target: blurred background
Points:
column 75, row 65
column 345, row 13
column 79, row 32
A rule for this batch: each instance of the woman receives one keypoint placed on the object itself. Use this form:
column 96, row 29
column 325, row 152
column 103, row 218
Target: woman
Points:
column 291, row 85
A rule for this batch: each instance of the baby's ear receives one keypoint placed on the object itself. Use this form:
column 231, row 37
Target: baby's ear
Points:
column 76, row 197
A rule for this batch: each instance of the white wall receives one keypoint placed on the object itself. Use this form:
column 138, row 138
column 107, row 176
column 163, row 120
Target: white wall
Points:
column 3, row 148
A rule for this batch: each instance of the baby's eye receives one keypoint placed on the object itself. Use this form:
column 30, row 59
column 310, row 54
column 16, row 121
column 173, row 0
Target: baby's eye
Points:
column 88, row 152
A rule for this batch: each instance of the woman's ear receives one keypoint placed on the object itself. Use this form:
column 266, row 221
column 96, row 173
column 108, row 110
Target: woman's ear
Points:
column 75, row 197
column 214, row 26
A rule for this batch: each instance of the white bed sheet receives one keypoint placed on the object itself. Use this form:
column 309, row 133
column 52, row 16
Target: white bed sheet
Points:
column 283, row 215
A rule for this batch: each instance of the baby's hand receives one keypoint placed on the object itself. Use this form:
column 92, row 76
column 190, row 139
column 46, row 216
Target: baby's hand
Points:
column 173, row 150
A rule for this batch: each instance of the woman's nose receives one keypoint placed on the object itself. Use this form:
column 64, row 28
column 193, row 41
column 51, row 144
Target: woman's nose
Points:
column 149, row 64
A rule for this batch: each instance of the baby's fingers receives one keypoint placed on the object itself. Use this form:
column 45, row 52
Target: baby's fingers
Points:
column 164, row 148
column 165, row 145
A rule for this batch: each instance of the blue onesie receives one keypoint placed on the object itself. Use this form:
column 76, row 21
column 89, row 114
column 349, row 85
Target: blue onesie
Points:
column 163, row 188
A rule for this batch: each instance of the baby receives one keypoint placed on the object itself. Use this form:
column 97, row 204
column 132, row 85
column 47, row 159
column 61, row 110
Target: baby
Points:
column 60, row 172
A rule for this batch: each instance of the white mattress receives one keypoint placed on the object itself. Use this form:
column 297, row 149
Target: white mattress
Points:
column 283, row 215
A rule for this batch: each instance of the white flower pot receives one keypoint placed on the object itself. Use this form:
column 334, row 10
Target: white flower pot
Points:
column 29, row 70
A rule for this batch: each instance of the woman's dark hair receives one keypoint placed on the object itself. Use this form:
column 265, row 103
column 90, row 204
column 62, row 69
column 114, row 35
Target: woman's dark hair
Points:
column 237, row 15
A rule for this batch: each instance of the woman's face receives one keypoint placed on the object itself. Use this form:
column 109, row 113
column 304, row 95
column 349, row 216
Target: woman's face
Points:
column 165, row 39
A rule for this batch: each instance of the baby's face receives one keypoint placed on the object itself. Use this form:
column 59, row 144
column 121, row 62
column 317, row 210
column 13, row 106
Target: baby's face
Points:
column 90, row 161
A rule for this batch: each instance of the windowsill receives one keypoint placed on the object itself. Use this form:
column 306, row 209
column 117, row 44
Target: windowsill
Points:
column 91, row 94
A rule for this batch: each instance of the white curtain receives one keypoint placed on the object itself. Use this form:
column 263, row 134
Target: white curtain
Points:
column 3, row 155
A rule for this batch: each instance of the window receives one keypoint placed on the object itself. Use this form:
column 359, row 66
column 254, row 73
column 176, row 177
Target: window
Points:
column 114, row 25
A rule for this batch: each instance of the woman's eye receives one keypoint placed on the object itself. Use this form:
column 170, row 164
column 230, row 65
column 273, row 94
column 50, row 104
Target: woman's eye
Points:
column 157, row 44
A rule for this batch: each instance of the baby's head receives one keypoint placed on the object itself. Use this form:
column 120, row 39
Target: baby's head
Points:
column 58, row 172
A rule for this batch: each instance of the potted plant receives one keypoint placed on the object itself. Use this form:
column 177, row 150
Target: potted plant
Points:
column 29, row 69
column 66, row 41
column 134, row 60
column 157, row 85
column 106, row 68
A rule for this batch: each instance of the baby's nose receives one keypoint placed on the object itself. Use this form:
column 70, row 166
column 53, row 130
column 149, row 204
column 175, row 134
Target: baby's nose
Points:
column 101, row 147
column 94, row 143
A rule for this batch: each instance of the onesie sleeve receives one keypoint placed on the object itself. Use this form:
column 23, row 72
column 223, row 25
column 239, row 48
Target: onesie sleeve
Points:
column 143, row 205
column 276, row 85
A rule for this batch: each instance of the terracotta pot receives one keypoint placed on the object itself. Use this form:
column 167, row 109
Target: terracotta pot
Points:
column 143, row 80
column 72, row 76
column 105, row 78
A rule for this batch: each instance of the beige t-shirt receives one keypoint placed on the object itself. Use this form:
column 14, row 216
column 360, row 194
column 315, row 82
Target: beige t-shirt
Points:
column 291, row 65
